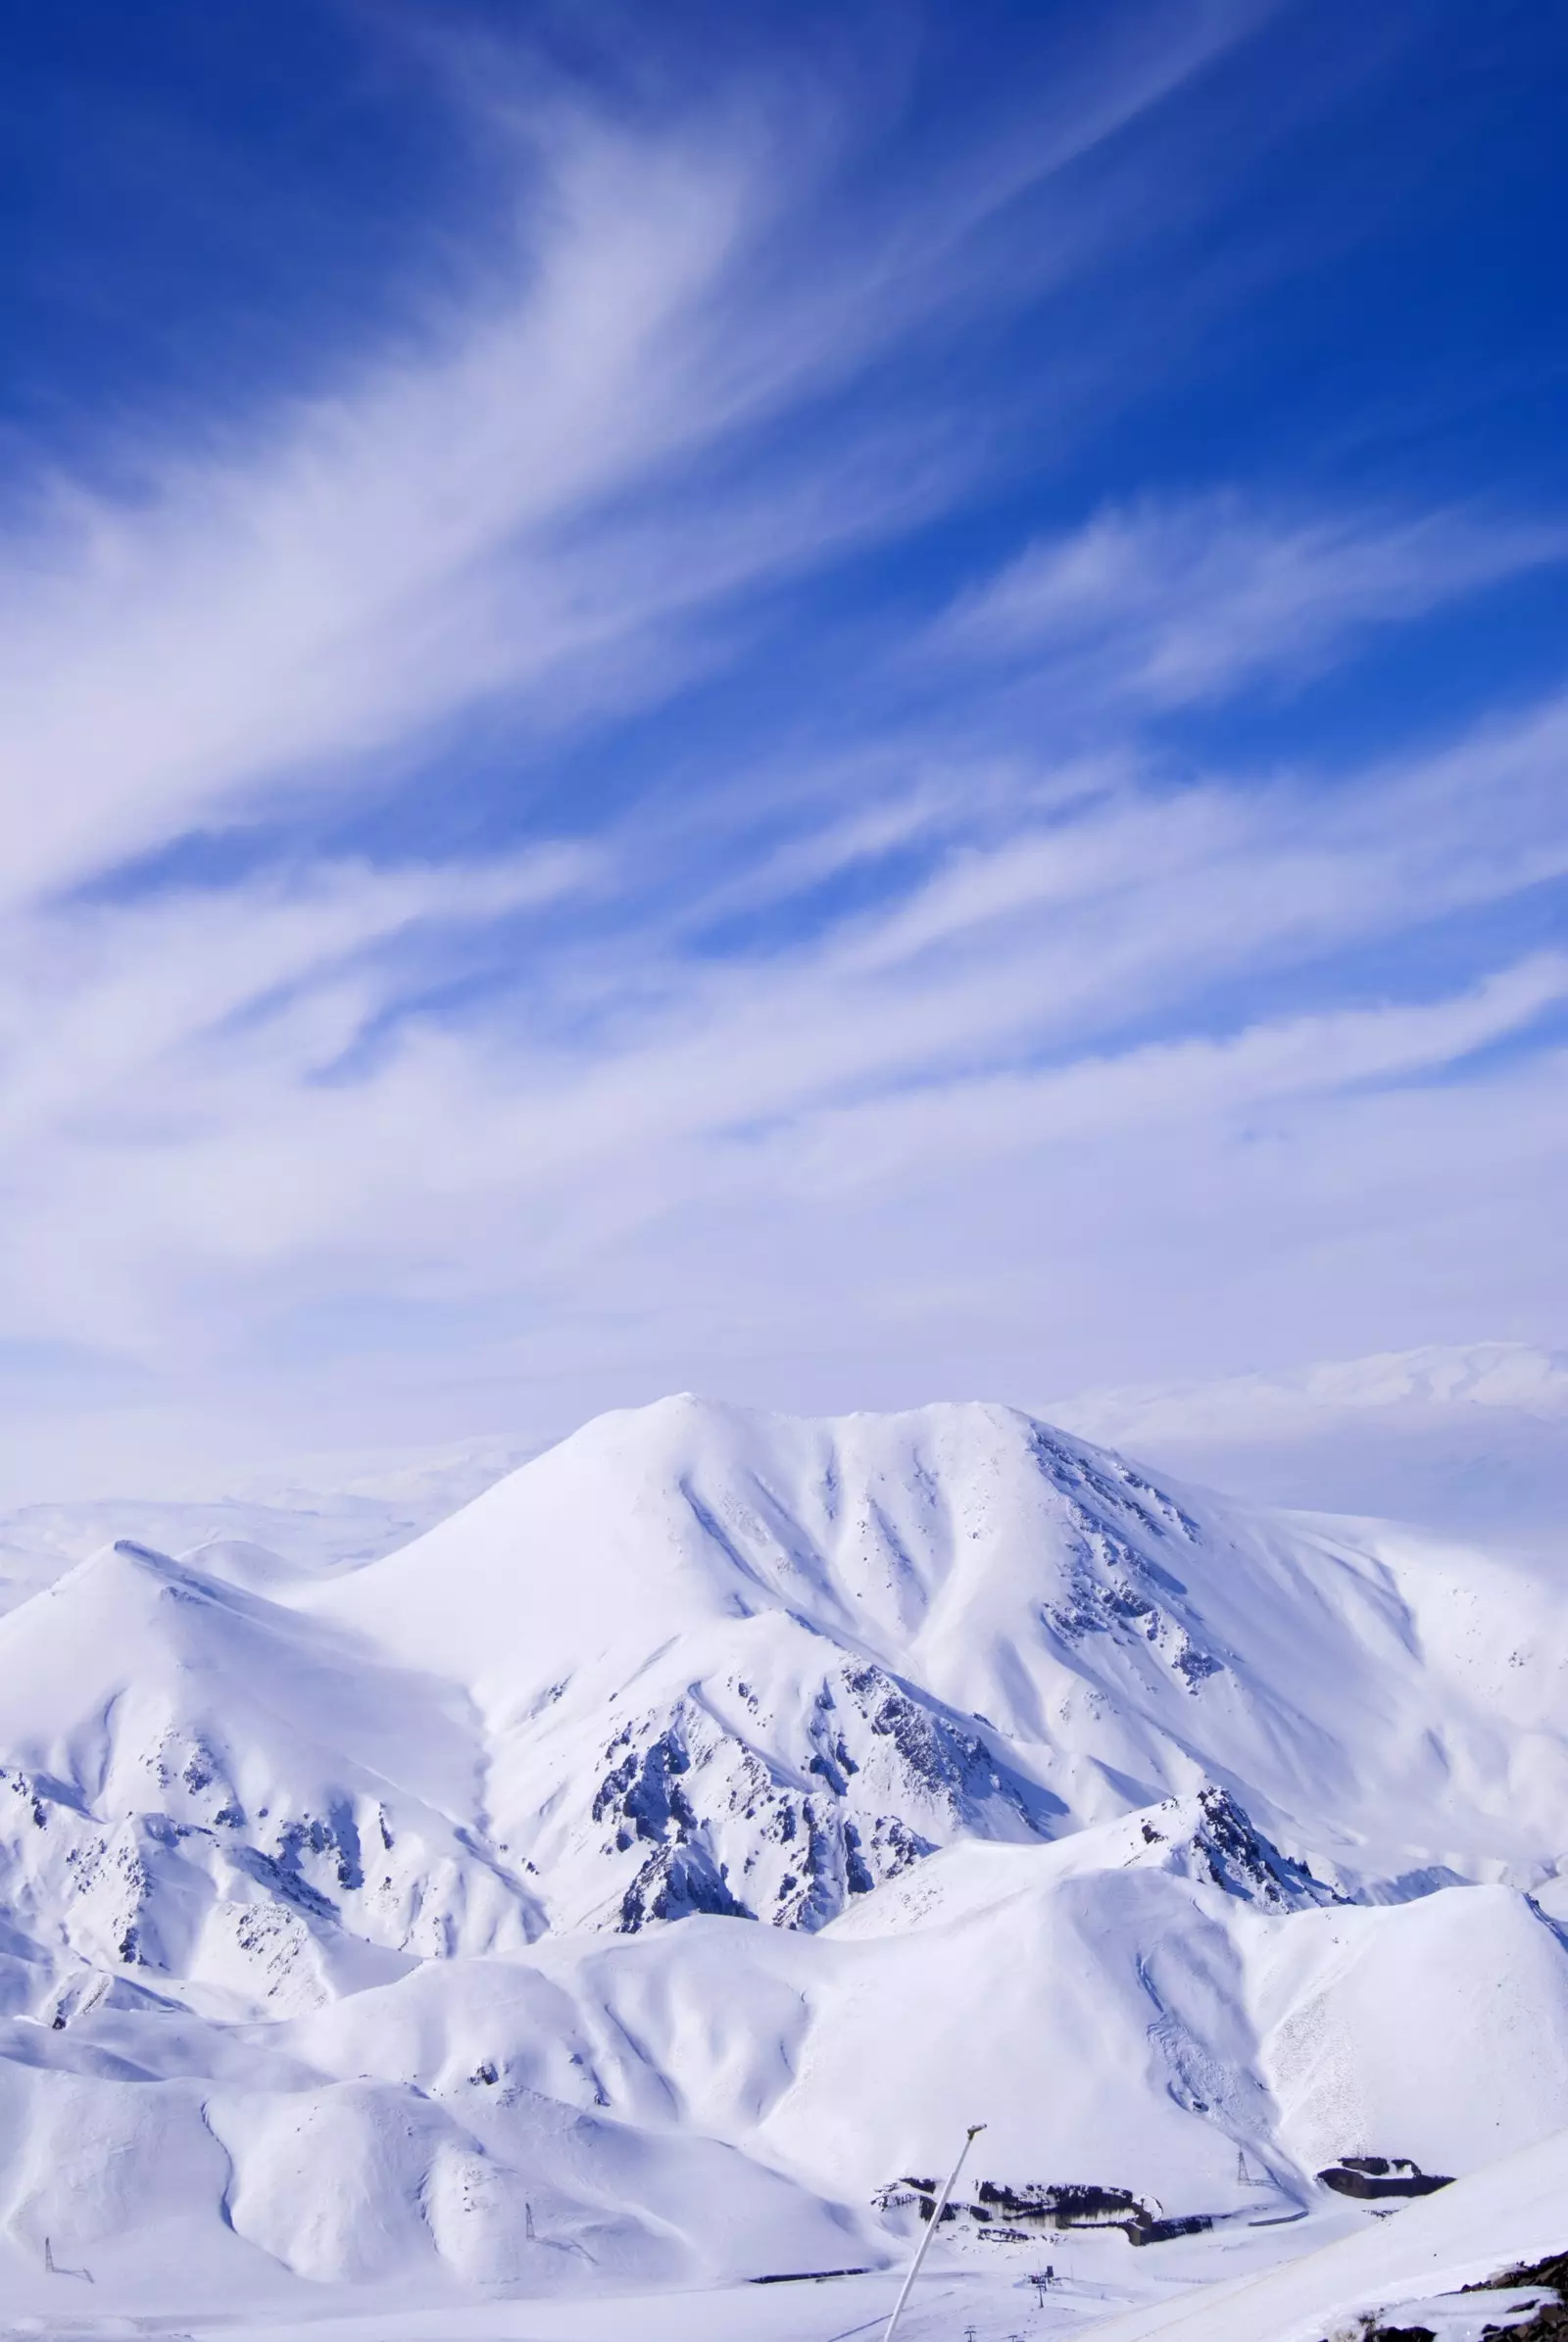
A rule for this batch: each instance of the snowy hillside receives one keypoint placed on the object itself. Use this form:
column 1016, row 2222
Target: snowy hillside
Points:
column 1191, row 1849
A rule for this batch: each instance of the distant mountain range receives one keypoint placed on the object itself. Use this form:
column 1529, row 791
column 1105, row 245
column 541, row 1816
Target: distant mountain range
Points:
column 1470, row 1436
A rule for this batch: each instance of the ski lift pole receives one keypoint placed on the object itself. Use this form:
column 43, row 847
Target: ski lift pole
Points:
column 932, row 2226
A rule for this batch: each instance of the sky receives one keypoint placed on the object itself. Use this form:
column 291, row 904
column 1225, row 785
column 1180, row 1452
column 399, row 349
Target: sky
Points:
column 839, row 705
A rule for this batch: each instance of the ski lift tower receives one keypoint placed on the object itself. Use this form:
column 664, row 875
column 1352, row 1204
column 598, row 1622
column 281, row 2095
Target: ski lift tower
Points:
column 932, row 2226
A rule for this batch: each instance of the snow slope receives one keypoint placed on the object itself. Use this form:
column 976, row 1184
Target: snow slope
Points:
column 1190, row 1848
column 1509, row 2216
column 1114, row 2014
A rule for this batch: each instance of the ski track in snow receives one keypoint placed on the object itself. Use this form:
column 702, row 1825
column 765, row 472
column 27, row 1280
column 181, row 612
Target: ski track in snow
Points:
column 631, row 1887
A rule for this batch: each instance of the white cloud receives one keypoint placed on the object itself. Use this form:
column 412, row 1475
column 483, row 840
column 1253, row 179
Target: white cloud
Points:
column 1171, row 603
column 180, row 1129
column 513, row 503
column 103, row 1005
column 1189, row 1080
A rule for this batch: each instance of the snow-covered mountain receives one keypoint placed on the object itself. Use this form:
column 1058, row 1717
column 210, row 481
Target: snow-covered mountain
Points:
column 733, row 1633
column 1191, row 1848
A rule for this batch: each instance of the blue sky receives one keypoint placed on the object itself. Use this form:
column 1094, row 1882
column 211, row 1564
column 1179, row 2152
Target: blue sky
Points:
column 840, row 705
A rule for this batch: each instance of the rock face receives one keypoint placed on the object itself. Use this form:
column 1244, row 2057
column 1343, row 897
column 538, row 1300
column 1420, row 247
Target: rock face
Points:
column 785, row 1819
column 1212, row 1837
column 1137, row 1812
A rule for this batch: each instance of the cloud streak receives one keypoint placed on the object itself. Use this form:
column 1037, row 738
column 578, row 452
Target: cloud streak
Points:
column 1172, row 604
column 516, row 505
column 210, row 1106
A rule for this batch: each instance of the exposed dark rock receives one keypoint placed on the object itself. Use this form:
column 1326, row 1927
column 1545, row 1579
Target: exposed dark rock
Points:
column 1160, row 2231
column 1114, row 1589
column 677, row 1880
column 280, row 1875
column 1243, row 1862
column 680, row 1778
column 1553, row 2272
column 1009, row 2214
column 1066, row 2203
column 1547, row 2323
column 857, row 1877
column 1370, row 2177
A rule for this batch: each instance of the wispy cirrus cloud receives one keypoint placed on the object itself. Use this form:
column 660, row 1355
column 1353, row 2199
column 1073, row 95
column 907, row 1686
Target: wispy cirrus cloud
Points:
column 1170, row 603
column 112, row 1015
column 192, row 1101
column 545, row 493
